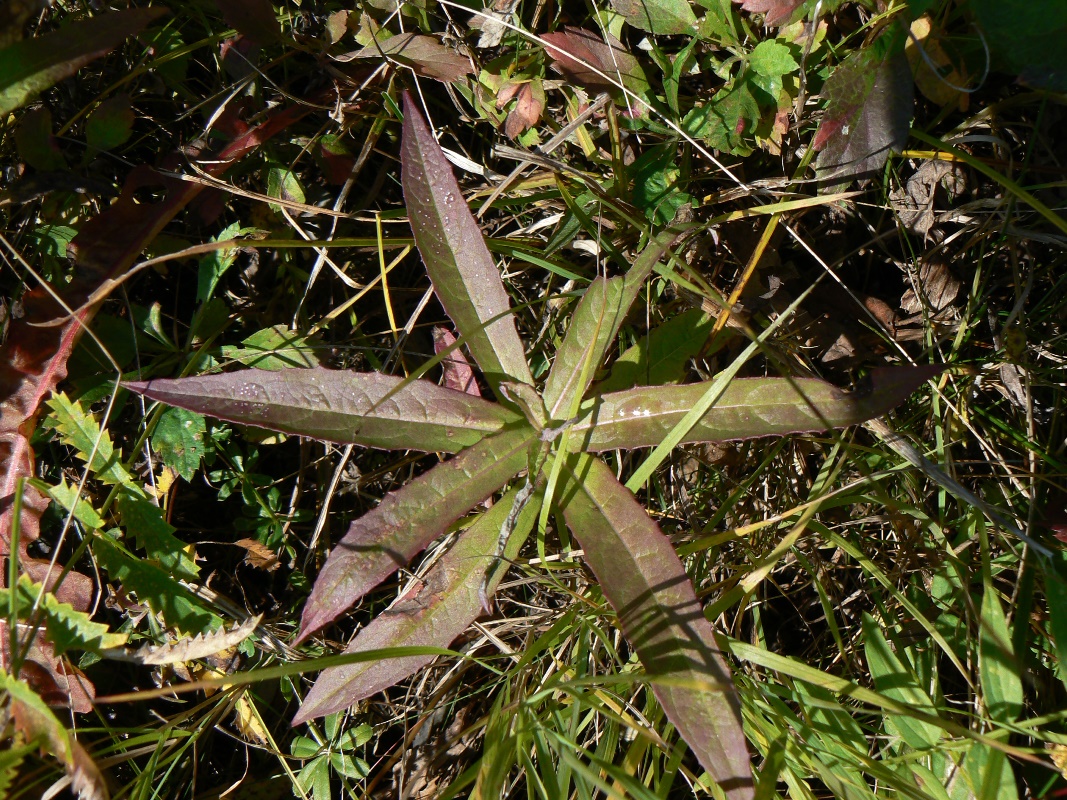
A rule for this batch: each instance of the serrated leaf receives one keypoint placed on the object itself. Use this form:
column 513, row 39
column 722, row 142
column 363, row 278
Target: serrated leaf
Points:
column 67, row 496
column 65, row 628
column 144, row 520
column 748, row 408
column 364, row 408
column 660, row 358
column 868, row 113
column 29, row 67
column 464, row 276
column 36, row 722
column 179, row 607
column 80, row 430
column 433, row 613
column 200, row 646
column 661, row 17
column 179, row 440
column 769, row 61
column 406, row 521
column 274, row 348
column 111, row 123
column 1002, row 686
column 645, row 582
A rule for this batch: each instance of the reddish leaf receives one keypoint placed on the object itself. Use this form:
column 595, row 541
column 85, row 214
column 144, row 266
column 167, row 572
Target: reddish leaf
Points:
column 385, row 539
column 868, row 113
column 252, row 18
column 364, row 408
column 528, row 107
column 749, row 408
column 775, row 12
column 588, row 60
column 437, row 610
column 52, row 677
column 456, row 369
column 645, row 582
column 29, row 67
column 463, row 274
column 424, row 54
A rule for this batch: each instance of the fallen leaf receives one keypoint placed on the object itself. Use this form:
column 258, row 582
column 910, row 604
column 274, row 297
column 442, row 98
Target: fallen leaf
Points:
column 936, row 75
column 424, row 54
column 586, row 59
column 259, row 555
column 528, row 107
column 937, row 286
column 914, row 203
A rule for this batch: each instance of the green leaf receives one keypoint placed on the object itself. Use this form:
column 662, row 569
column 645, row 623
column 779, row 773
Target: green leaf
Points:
column 314, row 778
column 144, row 520
column 440, row 608
column 657, row 184
column 660, row 357
column 79, row 430
column 364, row 408
column 986, row 775
column 29, row 67
column 111, row 123
column 214, row 265
column 385, row 539
column 303, row 747
column 179, row 440
column 179, row 607
column 1026, row 38
column 67, row 496
column 643, row 579
column 747, row 408
column 462, row 271
column 274, row 348
column 728, row 121
column 893, row 678
column 283, row 184
column 1002, row 686
column 66, row 628
column 662, row 17
column 36, row 144
column 770, row 60
column 1056, row 598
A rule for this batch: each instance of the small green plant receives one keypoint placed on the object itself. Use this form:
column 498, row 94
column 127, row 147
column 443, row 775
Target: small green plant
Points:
column 543, row 444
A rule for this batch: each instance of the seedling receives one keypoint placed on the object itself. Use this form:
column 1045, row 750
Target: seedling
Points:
column 540, row 442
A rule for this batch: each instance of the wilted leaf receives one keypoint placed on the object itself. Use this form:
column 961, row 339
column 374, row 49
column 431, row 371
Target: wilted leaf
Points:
column 29, row 67
column 868, row 113
column 663, row 17
column 200, row 646
column 936, row 74
column 464, row 276
column 748, row 408
column 436, row 610
column 258, row 555
column 252, row 18
column 406, row 521
column 52, row 677
column 456, row 370
column 645, row 582
column 364, row 408
column 111, row 123
column 424, row 54
column 593, row 62
column 775, row 12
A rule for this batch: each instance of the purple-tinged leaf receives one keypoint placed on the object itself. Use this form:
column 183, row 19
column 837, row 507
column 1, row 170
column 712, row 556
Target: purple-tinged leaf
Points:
column 868, row 113
column 594, row 326
column 437, row 610
column 749, row 408
column 463, row 273
column 364, row 408
column 29, row 67
column 775, row 12
column 406, row 521
column 425, row 55
column 645, row 582
column 457, row 372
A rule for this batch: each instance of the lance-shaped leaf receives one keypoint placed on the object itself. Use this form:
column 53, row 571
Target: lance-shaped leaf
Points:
column 406, row 521
column 749, row 408
column 645, row 582
column 594, row 326
column 463, row 274
column 437, row 610
column 364, row 408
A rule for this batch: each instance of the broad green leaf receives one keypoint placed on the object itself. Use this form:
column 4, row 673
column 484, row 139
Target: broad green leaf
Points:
column 986, row 775
column 29, row 67
column 179, row 440
column 144, row 520
column 314, row 778
column 1002, row 686
column 406, row 521
column 770, row 60
column 748, row 408
column 868, row 112
column 728, row 121
column 893, row 678
column 79, row 430
column 661, row 357
column 1026, row 38
column 179, row 607
column 283, row 184
column 645, row 582
column 111, row 123
column 34, row 720
column 662, row 17
column 65, row 628
column 274, row 348
column 657, row 184
column 364, row 408
column 463, row 273
column 435, row 612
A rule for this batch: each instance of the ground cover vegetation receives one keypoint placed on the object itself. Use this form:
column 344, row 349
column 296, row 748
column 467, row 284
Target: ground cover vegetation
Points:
column 548, row 400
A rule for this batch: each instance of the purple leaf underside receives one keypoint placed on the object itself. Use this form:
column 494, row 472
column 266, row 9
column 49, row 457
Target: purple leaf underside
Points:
column 440, row 607
column 464, row 276
column 748, row 409
column 645, row 582
column 364, row 408
column 407, row 520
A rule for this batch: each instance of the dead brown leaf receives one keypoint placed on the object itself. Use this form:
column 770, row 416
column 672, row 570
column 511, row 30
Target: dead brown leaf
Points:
column 425, row 55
